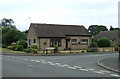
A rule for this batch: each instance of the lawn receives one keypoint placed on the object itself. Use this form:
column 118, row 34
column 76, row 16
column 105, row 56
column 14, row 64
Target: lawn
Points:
column 10, row 51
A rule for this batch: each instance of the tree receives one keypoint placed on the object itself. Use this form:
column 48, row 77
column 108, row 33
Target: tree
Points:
column 111, row 28
column 7, row 22
column 95, row 29
column 103, row 42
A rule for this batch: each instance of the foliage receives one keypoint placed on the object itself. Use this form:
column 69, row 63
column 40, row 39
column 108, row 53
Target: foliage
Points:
column 93, row 44
column 56, row 49
column 23, row 42
column 10, row 35
column 34, row 46
column 103, row 42
column 116, row 48
column 95, row 29
column 19, row 47
column 32, row 49
column 88, row 49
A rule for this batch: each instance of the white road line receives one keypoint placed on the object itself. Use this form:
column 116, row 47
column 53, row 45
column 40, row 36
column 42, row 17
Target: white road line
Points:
column 51, row 64
column 98, row 72
column 37, row 61
column 30, row 65
column 83, row 69
column 65, row 65
column 57, row 63
column 115, row 75
column 7, row 56
column 25, row 59
column 104, row 71
column 32, row 60
column 77, row 66
column 60, row 65
column 44, row 62
column 12, row 57
column 71, row 67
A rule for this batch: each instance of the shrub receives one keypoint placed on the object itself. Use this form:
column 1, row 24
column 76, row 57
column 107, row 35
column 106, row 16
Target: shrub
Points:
column 103, row 42
column 19, row 48
column 29, row 50
column 22, row 42
column 56, row 49
column 116, row 48
column 34, row 46
column 93, row 44
column 88, row 49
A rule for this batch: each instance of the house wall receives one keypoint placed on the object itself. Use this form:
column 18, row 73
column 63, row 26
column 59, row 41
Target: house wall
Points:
column 79, row 46
column 45, row 43
column 31, row 35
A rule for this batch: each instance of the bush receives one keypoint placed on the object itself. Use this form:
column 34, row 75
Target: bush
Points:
column 116, row 48
column 88, row 49
column 22, row 42
column 56, row 49
column 19, row 48
column 34, row 46
column 28, row 50
column 93, row 44
column 103, row 42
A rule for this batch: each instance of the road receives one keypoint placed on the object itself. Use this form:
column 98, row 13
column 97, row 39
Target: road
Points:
column 55, row 66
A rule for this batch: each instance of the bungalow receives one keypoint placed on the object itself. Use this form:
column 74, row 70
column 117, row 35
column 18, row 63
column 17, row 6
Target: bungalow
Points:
column 63, row 36
column 113, row 36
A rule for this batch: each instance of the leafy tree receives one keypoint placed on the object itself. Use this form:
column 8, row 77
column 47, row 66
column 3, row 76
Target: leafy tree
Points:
column 7, row 22
column 95, row 29
column 103, row 42
column 111, row 28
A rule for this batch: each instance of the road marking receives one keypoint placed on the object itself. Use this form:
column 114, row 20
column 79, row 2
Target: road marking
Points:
column 8, row 56
column 57, row 63
column 84, row 69
column 25, row 59
column 77, row 66
column 90, row 69
column 115, row 75
column 98, row 72
column 104, row 71
column 44, row 62
column 31, row 60
column 65, row 65
column 60, row 65
column 12, row 57
column 37, row 61
column 71, row 67
column 51, row 64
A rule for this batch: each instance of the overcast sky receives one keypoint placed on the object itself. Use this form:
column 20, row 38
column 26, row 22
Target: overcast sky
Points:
column 74, row 12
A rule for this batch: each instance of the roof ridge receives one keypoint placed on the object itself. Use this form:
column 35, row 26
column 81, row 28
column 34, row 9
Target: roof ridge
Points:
column 57, row 24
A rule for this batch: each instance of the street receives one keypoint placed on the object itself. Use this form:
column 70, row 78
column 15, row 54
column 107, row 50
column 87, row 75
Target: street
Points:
column 56, row 66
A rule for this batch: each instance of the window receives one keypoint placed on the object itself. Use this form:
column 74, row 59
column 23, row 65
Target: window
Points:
column 34, row 41
column 55, row 42
column 29, row 42
column 84, row 41
column 73, row 41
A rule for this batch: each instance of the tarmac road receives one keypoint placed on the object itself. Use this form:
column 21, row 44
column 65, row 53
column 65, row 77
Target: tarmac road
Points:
column 56, row 66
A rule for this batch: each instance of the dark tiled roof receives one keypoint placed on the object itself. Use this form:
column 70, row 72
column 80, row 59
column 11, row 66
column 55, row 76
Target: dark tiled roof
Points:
column 57, row 30
column 108, row 34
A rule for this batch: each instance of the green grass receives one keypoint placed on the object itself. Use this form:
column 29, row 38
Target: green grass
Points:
column 11, row 51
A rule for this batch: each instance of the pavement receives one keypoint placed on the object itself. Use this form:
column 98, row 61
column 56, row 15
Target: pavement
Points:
column 112, row 63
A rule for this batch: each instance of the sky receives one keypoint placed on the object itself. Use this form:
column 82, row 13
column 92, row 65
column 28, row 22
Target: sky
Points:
column 73, row 12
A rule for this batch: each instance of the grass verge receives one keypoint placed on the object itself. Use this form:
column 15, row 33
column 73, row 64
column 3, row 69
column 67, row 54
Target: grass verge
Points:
column 10, row 51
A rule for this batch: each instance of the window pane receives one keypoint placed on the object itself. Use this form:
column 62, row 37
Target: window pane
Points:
column 73, row 41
